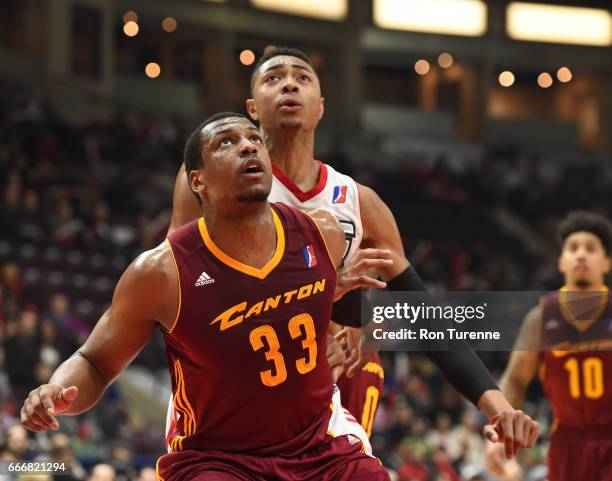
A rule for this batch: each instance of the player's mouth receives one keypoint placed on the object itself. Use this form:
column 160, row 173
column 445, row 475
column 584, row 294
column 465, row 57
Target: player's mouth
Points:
column 581, row 269
column 289, row 105
column 253, row 169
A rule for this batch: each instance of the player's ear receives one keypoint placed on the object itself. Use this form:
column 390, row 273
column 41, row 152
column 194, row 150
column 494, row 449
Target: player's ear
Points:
column 250, row 106
column 321, row 107
column 607, row 264
column 560, row 264
column 196, row 182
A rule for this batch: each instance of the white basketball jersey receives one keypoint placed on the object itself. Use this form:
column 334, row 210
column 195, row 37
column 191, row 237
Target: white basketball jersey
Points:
column 335, row 192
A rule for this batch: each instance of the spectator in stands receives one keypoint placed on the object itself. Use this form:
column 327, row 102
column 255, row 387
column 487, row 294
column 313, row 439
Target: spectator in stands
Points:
column 440, row 438
column 16, row 445
column 23, row 354
column 103, row 472
column 467, row 435
column 69, row 327
column 147, row 474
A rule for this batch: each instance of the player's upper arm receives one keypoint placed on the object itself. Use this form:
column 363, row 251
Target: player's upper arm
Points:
column 380, row 231
column 185, row 206
column 332, row 234
column 146, row 294
column 523, row 363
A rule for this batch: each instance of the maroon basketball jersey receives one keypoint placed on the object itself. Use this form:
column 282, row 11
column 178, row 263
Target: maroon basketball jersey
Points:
column 247, row 350
column 577, row 379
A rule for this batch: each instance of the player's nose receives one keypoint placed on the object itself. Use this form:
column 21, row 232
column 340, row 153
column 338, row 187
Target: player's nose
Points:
column 290, row 86
column 247, row 148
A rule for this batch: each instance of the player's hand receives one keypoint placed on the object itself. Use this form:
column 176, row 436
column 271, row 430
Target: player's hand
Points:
column 354, row 274
column 356, row 357
column 44, row 403
column 335, row 356
column 514, row 429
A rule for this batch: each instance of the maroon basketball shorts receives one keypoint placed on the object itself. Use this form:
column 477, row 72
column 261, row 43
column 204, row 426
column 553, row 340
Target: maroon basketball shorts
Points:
column 343, row 455
column 361, row 393
column 580, row 454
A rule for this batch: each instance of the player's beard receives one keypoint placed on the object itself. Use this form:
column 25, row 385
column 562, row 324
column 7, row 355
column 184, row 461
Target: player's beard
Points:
column 583, row 283
column 252, row 197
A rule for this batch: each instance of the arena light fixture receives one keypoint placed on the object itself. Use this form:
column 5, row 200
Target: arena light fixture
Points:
column 559, row 24
column 564, row 75
column 130, row 16
column 324, row 9
column 152, row 70
column 131, row 29
column 445, row 60
column 451, row 17
column 421, row 67
column 169, row 24
column 506, row 78
column 247, row 57
column 545, row 80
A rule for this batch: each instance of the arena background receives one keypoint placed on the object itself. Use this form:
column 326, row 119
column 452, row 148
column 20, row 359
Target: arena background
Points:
column 479, row 123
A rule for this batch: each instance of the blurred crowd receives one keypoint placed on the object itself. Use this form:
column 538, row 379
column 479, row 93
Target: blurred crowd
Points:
column 81, row 198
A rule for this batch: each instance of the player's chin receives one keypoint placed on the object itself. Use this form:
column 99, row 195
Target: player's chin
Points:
column 254, row 194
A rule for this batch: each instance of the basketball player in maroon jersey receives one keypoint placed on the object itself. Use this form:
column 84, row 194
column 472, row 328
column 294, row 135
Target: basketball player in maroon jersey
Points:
column 576, row 367
column 243, row 300
column 287, row 103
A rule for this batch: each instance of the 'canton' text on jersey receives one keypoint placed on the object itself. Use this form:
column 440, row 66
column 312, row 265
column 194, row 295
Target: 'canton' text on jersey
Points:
column 247, row 352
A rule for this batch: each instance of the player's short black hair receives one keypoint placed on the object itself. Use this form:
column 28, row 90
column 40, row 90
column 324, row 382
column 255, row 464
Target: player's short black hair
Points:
column 192, row 155
column 580, row 220
column 277, row 52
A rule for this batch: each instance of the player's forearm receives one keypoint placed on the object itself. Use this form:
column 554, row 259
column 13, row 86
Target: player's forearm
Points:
column 514, row 392
column 78, row 371
column 493, row 402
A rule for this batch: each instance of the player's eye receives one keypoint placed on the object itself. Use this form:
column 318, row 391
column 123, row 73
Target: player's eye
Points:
column 255, row 139
column 271, row 77
column 305, row 77
column 226, row 141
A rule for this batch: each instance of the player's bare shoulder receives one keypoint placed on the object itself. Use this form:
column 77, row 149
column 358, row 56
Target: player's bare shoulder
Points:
column 151, row 281
column 332, row 232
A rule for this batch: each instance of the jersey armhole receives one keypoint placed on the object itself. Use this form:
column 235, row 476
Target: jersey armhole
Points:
column 178, row 277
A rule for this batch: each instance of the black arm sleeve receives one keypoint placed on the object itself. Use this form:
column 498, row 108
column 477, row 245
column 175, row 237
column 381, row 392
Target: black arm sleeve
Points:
column 347, row 310
column 463, row 369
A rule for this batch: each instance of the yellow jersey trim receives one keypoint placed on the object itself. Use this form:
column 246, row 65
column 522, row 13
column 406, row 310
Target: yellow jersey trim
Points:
column 374, row 368
column 259, row 273
column 569, row 317
column 178, row 277
column 181, row 404
column 157, row 471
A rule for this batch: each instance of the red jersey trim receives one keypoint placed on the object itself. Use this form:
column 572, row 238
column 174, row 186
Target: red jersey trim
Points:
column 295, row 190
column 178, row 276
column 259, row 273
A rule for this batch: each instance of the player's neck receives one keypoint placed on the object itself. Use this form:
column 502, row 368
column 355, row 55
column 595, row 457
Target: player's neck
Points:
column 249, row 237
column 293, row 153
column 572, row 286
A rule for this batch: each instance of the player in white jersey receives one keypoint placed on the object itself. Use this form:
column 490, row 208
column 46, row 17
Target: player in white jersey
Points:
column 334, row 192
column 287, row 103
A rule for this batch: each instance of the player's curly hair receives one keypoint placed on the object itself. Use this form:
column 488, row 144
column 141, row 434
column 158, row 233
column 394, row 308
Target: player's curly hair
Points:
column 580, row 220
column 277, row 52
column 192, row 155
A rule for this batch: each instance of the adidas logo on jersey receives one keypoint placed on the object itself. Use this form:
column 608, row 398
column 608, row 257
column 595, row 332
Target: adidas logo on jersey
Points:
column 352, row 439
column 204, row 279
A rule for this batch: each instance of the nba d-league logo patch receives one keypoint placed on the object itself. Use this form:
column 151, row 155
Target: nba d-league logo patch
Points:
column 339, row 194
column 309, row 256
